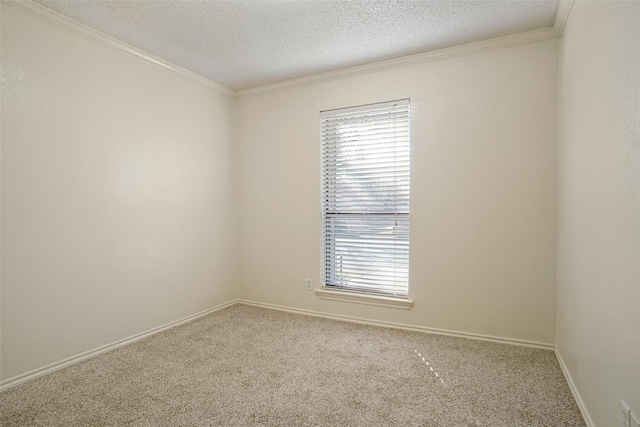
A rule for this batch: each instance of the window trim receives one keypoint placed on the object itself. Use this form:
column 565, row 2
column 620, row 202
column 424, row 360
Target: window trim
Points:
column 364, row 298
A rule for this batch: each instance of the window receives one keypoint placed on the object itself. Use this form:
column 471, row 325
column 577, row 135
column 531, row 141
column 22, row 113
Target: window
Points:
column 365, row 199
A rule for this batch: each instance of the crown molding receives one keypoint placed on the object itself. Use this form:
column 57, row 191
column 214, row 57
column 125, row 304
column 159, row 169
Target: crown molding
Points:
column 504, row 42
column 49, row 16
column 564, row 9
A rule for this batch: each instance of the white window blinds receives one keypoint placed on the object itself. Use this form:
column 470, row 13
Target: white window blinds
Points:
column 365, row 198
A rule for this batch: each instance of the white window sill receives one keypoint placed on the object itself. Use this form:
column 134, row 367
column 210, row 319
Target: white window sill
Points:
column 401, row 303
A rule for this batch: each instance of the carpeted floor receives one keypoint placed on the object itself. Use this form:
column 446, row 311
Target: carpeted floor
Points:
column 248, row 366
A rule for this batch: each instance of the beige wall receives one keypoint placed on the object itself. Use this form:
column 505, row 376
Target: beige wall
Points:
column 483, row 198
column 598, row 331
column 117, row 195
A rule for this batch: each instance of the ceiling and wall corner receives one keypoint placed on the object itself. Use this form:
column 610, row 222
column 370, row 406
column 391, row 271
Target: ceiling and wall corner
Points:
column 564, row 9
column 47, row 15
column 245, row 45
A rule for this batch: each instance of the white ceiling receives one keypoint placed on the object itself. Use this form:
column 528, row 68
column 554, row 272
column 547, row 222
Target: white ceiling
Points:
column 247, row 43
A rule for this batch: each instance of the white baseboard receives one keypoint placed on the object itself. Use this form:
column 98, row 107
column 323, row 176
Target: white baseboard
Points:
column 574, row 390
column 525, row 343
column 44, row 370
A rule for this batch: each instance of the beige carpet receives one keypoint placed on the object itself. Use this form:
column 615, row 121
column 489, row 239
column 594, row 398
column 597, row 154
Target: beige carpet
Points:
column 248, row 366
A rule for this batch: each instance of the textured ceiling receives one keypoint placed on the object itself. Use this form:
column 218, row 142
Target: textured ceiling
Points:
column 247, row 43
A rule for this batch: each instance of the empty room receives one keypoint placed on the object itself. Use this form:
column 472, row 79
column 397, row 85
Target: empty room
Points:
column 320, row 213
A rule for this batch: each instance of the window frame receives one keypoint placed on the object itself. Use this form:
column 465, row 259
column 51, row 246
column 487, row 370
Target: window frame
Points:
column 368, row 294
